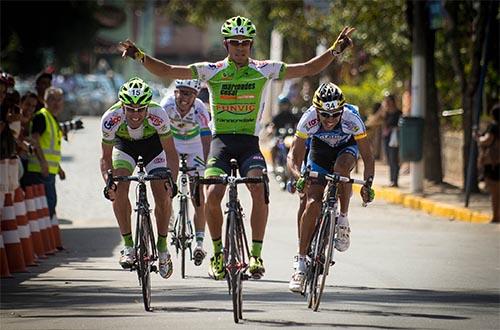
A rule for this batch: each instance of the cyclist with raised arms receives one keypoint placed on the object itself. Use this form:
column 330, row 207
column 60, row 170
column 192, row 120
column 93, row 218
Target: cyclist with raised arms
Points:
column 136, row 126
column 237, row 86
column 189, row 121
column 337, row 135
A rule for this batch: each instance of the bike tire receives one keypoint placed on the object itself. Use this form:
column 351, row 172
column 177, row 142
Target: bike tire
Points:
column 233, row 266
column 183, row 234
column 329, row 245
column 317, row 263
column 144, row 259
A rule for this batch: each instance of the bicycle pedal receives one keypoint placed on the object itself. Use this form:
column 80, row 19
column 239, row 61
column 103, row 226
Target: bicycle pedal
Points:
column 154, row 268
column 245, row 277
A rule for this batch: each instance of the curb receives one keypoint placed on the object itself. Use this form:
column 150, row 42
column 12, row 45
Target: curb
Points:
column 438, row 209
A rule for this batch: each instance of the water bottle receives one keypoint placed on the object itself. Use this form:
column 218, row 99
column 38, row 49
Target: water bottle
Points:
column 290, row 186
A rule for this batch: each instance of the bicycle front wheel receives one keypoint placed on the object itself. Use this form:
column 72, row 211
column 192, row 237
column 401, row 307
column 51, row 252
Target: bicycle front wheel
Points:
column 325, row 259
column 233, row 266
column 183, row 233
column 144, row 264
column 317, row 263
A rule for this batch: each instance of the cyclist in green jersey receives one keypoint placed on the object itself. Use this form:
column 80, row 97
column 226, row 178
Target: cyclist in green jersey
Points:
column 237, row 86
column 136, row 126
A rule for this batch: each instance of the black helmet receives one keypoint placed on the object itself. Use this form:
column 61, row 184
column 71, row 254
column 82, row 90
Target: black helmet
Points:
column 329, row 97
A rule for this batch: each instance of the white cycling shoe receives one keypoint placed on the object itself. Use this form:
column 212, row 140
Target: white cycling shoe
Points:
column 127, row 257
column 342, row 238
column 198, row 255
column 165, row 264
column 297, row 282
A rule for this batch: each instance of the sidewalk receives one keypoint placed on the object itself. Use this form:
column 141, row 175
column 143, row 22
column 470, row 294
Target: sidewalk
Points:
column 442, row 200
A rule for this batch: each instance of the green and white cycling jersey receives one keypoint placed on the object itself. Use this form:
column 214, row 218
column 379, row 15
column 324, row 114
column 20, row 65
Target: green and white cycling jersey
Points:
column 188, row 129
column 237, row 95
column 114, row 124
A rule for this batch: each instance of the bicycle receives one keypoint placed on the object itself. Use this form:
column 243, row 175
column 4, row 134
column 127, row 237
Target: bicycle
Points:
column 182, row 235
column 236, row 252
column 321, row 248
column 144, row 246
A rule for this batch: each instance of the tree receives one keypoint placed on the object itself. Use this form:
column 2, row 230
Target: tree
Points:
column 466, row 32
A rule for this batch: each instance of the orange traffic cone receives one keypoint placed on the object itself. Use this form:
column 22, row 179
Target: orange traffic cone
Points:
column 23, row 227
column 4, row 265
column 13, row 247
column 36, row 235
column 54, row 223
column 43, row 221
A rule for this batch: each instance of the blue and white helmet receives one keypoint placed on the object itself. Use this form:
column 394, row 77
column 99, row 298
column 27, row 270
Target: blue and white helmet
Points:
column 189, row 83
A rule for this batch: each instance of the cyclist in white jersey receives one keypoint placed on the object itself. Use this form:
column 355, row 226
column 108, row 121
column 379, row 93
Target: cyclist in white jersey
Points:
column 189, row 120
column 237, row 86
column 337, row 135
column 135, row 126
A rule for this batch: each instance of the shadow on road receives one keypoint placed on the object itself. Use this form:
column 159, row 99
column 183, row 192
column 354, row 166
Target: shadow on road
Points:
column 77, row 249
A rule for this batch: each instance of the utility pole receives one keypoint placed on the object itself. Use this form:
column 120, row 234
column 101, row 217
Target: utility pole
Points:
column 418, row 86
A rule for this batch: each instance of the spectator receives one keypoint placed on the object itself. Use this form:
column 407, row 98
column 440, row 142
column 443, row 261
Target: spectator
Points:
column 489, row 158
column 28, row 105
column 47, row 136
column 373, row 125
column 390, row 129
column 42, row 82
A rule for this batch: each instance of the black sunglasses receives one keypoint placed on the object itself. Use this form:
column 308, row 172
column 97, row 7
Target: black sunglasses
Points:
column 326, row 114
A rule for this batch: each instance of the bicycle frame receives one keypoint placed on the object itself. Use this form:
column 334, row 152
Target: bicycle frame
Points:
column 236, row 251
column 145, row 246
column 183, row 230
column 321, row 248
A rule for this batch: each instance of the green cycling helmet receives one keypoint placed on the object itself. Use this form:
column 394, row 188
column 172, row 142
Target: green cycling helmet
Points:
column 238, row 26
column 135, row 92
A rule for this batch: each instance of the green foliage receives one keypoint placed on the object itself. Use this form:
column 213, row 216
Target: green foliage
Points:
column 372, row 87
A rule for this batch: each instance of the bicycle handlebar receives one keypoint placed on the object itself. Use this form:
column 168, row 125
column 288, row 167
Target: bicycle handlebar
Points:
column 334, row 177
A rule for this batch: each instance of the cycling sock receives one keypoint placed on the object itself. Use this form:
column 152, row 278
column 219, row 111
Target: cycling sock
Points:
column 217, row 245
column 200, row 235
column 128, row 240
column 161, row 245
column 343, row 221
column 256, row 248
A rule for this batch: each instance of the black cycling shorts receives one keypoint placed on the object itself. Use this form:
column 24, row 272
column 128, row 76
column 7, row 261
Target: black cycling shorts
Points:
column 244, row 148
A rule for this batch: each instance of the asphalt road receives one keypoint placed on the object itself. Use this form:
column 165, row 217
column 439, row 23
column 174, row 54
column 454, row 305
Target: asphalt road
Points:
column 404, row 270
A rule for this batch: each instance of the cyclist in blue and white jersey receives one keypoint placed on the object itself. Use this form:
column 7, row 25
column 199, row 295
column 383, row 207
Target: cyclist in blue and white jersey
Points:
column 189, row 121
column 337, row 135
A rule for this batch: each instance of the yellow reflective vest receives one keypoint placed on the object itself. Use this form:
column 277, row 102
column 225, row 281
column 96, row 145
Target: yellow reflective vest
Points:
column 50, row 142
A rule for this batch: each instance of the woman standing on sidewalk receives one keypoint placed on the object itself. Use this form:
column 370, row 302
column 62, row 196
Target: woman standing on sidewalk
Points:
column 391, row 115
column 489, row 142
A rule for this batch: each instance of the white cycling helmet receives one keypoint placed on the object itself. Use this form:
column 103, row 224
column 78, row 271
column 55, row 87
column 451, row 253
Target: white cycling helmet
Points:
column 189, row 83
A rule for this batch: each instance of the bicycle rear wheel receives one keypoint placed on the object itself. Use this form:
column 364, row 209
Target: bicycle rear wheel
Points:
column 328, row 253
column 144, row 254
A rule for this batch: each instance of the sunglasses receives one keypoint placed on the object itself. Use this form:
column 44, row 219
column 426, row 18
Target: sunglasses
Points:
column 237, row 42
column 135, row 109
column 326, row 114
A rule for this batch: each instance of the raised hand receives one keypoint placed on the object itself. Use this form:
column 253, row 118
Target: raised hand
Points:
column 343, row 41
column 129, row 49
